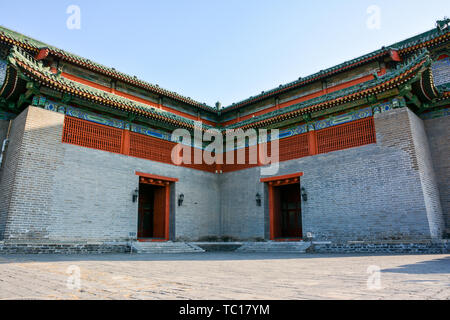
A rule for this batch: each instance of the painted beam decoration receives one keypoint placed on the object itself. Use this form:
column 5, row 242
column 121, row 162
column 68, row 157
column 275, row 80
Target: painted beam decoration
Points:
column 3, row 68
column 341, row 119
column 96, row 118
column 285, row 133
column 441, row 74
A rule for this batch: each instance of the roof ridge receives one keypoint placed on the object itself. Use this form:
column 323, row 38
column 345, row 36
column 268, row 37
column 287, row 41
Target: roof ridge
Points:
column 18, row 53
column 38, row 45
column 401, row 45
column 404, row 67
column 305, row 80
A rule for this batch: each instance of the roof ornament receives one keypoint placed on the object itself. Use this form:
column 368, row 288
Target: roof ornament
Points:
column 42, row 54
column 218, row 105
column 443, row 24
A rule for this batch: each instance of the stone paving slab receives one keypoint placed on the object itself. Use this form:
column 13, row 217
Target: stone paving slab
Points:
column 225, row 276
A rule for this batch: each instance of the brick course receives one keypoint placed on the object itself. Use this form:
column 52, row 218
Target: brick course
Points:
column 438, row 131
column 9, row 168
column 64, row 192
column 61, row 192
column 374, row 192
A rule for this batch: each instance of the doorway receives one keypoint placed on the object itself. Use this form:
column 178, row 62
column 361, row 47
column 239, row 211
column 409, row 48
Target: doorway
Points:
column 285, row 207
column 289, row 212
column 152, row 212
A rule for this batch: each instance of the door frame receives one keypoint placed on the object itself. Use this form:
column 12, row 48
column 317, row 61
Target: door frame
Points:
column 166, row 183
column 272, row 183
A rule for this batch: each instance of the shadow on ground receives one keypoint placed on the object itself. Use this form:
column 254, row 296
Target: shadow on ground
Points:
column 436, row 264
column 441, row 265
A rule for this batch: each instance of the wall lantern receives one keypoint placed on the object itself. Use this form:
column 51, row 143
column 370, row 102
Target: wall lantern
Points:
column 135, row 194
column 180, row 199
column 258, row 200
column 304, row 195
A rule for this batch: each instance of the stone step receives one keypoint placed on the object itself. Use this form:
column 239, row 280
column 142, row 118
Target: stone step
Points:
column 275, row 247
column 218, row 246
column 165, row 247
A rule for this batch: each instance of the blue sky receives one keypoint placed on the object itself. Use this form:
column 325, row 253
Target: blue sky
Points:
column 213, row 50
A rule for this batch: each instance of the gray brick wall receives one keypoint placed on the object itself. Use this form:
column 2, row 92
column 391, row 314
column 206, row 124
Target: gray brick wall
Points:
column 8, row 169
column 427, row 177
column 240, row 217
column 39, row 154
column 93, row 191
column 373, row 192
column 438, row 131
column 56, row 191
column 69, row 193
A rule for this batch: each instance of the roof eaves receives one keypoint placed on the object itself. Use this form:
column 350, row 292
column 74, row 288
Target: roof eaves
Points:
column 28, row 43
column 35, row 69
column 401, row 46
column 338, row 96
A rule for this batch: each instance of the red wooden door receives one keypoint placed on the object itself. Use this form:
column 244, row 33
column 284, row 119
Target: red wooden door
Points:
column 290, row 203
column 145, row 212
column 159, row 220
column 285, row 212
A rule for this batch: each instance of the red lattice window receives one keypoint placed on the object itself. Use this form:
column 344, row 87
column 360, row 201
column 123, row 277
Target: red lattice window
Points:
column 154, row 149
column 150, row 148
column 240, row 166
column 294, row 147
column 91, row 135
column 353, row 134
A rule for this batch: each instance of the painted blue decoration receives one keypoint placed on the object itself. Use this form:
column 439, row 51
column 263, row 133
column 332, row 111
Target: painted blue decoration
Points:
column 3, row 68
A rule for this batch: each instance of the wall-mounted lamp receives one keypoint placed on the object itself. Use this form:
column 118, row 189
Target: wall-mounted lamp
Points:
column 135, row 194
column 180, row 199
column 304, row 195
column 258, row 200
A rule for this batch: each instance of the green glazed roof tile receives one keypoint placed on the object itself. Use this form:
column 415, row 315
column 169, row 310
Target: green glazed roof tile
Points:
column 416, row 40
column 38, row 45
column 19, row 55
column 407, row 65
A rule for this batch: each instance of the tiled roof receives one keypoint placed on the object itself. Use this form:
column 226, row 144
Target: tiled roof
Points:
column 31, row 44
column 426, row 39
column 389, row 80
column 422, row 40
column 35, row 69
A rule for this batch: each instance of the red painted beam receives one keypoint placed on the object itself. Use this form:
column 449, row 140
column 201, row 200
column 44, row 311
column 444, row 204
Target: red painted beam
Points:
column 134, row 98
column 288, row 176
column 305, row 98
column 156, row 177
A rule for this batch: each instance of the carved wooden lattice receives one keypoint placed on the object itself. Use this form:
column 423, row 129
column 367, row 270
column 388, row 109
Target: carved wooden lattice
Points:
column 97, row 136
column 92, row 135
column 349, row 135
column 150, row 148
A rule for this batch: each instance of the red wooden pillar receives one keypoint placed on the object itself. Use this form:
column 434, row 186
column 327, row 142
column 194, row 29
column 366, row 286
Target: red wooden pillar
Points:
column 167, row 222
column 312, row 143
column 271, row 211
column 125, row 146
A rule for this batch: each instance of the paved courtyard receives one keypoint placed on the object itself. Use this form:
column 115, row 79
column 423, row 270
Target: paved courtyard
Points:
column 225, row 276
